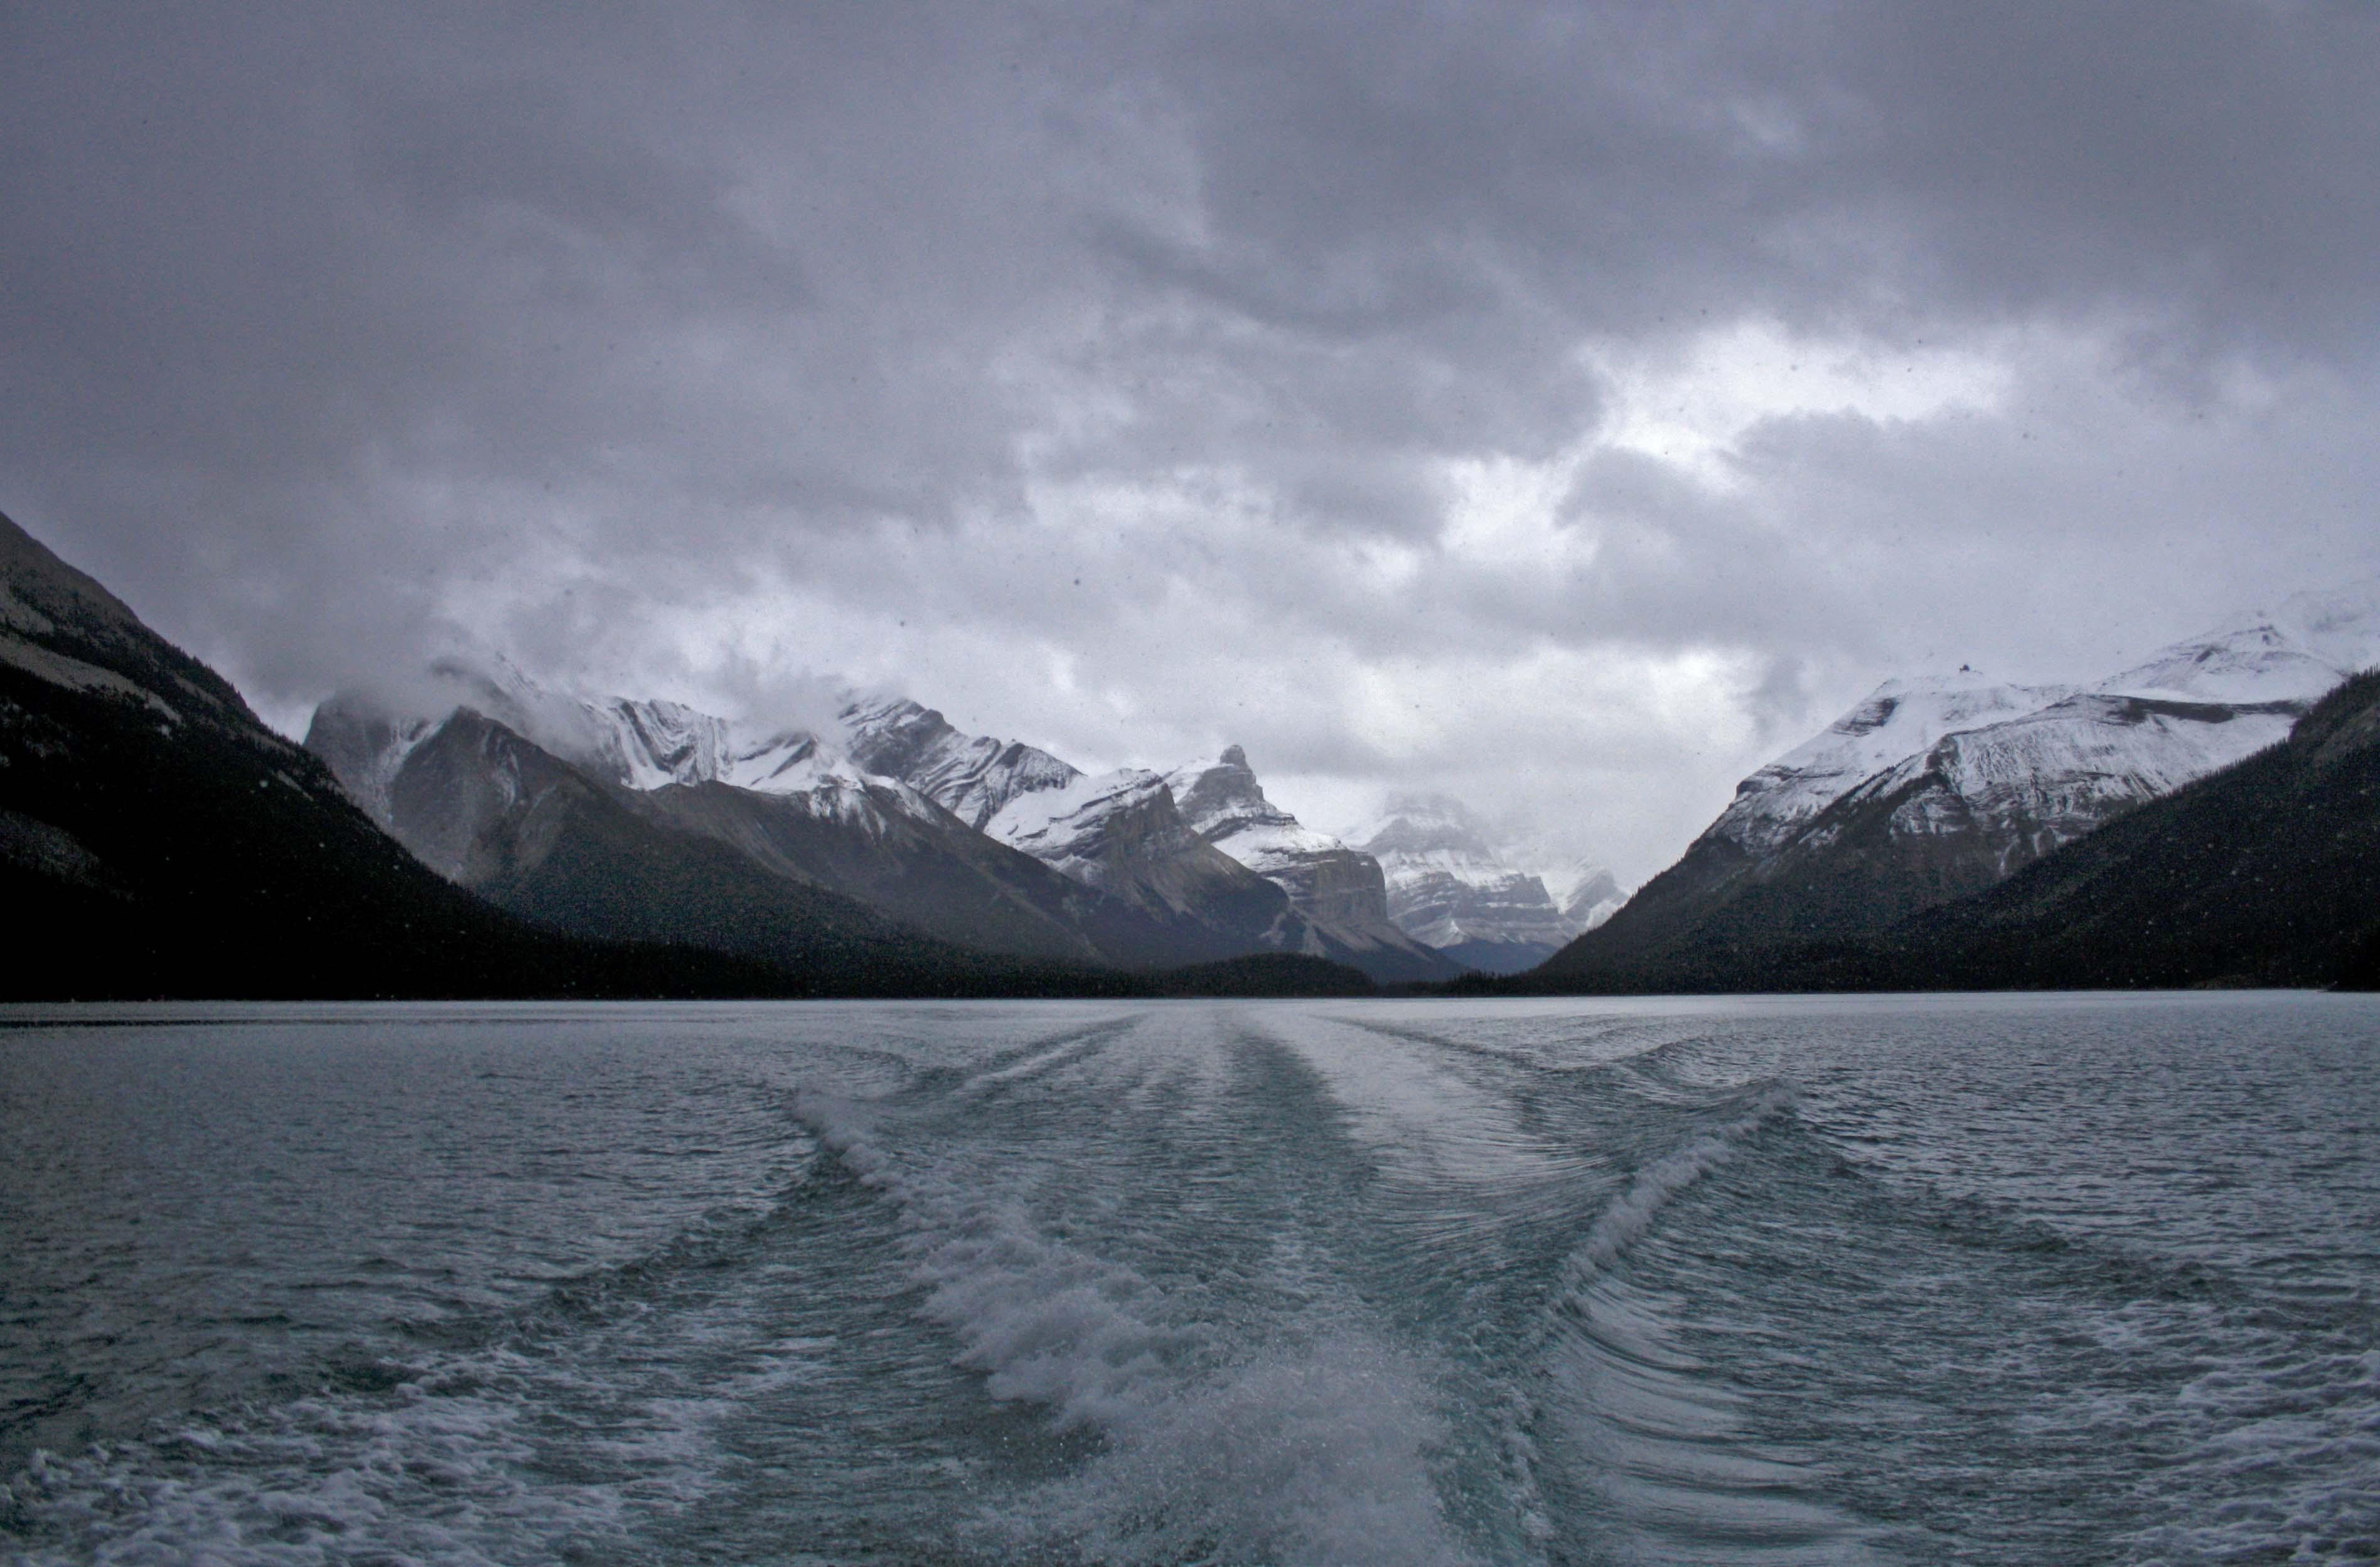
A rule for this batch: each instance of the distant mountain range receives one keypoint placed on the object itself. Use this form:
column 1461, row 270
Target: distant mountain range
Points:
column 1448, row 886
column 159, row 840
column 1937, row 791
column 2206, row 816
column 985, row 844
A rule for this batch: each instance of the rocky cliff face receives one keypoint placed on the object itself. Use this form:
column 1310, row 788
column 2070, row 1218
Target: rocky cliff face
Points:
column 972, row 776
column 1341, row 892
column 1450, row 888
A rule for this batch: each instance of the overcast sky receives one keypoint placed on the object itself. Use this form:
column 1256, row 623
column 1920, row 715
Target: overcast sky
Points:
column 1566, row 407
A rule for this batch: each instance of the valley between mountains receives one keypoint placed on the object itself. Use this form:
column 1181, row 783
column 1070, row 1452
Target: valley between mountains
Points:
column 2210, row 815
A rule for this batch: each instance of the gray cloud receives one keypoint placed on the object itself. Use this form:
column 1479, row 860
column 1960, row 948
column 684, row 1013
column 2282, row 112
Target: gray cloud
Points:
column 706, row 346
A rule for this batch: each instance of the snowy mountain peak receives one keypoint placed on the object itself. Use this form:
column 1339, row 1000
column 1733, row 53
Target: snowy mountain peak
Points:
column 1901, row 718
column 1223, row 801
column 1340, row 888
column 1930, row 789
column 974, row 777
column 2292, row 654
column 1450, row 888
column 639, row 744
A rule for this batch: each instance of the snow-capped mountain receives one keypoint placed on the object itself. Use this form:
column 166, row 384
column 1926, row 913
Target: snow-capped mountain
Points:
column 1449, row 887
column 1132, row 835
column 1585, row 891
column 1342, row 892
column 972, row 776
column 648, row 744
column 787, row 801
column 1897, row 720
column 2032, row 780
column 1120, row 833
column 1930, row 789
column 991, row 843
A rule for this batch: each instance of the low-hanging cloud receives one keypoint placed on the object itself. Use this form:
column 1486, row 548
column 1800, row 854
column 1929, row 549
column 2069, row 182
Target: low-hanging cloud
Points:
column 1562, row 405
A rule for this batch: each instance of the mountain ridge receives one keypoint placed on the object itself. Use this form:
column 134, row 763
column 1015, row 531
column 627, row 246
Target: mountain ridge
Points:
column 1065, row 866
column 176, row 847
column 1987, row 779
column 2266, row 872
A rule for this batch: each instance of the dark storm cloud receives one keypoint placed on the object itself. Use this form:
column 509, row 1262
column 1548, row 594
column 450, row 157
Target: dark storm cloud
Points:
column 594, row 327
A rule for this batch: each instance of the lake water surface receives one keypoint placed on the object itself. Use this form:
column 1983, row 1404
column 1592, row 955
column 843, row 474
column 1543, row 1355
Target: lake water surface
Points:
column 2007, row 1280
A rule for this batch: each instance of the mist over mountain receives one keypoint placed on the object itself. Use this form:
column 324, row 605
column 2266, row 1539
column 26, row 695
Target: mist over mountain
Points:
column 170, row 845
column 610, row 819
column 1447, row 886
column 158, row 841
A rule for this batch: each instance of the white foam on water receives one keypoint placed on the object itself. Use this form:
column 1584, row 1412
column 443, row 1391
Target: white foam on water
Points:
column 1417, row 1111
column 1316, row 1453
column 1633, row 1212
column 450, row 1456
column 1305, row 1441
column 2291, row 1449
column 431, row 1474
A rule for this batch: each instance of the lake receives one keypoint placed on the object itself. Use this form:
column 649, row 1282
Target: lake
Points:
column 2015, row 1279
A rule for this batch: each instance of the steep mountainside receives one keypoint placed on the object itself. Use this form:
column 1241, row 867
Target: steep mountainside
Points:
column 2267, row 872
column 1116, row 834
column 1341, row 892
column 157, row 840
column 536, row 837
column 789, row 806
column 1123, row 835
column 971, row 776
column 1978, row 790
column 1449, row 888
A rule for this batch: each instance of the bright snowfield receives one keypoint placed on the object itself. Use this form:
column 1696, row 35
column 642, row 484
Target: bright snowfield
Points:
column 1858, row 1281
column 2065, row 755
